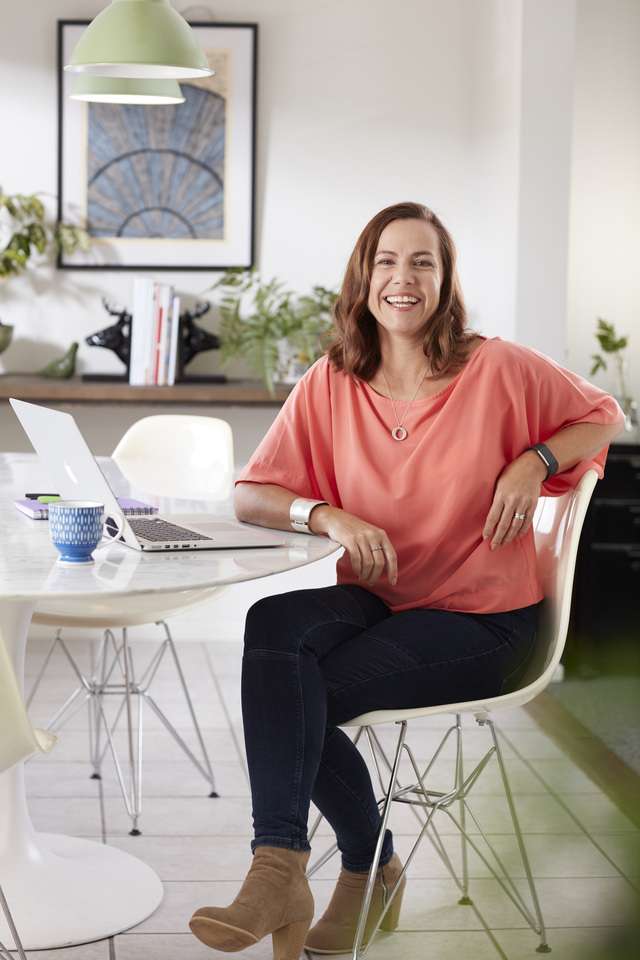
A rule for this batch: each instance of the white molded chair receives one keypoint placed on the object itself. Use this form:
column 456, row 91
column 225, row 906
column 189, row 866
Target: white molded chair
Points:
column 187, row 457
column 18, row 740
column 557, row 525
column 178, row 456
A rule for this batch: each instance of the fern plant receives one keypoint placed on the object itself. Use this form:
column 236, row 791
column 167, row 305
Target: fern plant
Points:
column 256, row 316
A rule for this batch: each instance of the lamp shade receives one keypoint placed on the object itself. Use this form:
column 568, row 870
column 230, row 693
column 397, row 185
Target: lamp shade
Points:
column 144, row 39
column 125, row 90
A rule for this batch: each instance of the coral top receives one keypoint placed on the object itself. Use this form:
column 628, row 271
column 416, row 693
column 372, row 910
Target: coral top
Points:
column 432, row 492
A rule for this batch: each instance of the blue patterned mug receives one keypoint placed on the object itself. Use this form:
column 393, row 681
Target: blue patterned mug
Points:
column 75, row 527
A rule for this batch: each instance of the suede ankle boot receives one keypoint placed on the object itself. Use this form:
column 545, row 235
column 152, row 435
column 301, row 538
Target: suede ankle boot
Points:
column 335, row 932
column 275, row 898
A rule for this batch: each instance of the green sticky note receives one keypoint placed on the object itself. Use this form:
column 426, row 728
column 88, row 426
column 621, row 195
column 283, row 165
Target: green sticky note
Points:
column 48, row 499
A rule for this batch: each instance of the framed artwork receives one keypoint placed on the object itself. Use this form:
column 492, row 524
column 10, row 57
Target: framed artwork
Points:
column 166, row 187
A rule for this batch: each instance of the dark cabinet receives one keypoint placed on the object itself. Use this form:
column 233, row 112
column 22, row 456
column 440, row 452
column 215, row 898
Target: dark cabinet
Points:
column 604, row 630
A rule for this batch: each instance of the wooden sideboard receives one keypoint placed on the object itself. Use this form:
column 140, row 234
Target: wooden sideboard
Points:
column 29, row 387
column 604, row 631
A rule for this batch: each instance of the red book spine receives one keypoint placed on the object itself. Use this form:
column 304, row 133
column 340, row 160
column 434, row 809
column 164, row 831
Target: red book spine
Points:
column 156, row 366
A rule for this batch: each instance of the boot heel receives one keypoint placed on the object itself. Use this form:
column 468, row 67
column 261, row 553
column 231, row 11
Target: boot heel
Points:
column 392, row 916
column 288, row 941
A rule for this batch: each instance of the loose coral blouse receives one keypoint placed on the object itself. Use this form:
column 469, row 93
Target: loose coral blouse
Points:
column 432, row 492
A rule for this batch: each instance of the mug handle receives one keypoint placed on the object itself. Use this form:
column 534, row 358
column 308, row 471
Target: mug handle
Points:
column 118, row 522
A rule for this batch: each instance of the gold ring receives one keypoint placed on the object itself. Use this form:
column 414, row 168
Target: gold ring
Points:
column 377, row 548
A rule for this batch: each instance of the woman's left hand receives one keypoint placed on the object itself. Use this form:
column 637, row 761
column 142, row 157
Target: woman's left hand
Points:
column 517, row 491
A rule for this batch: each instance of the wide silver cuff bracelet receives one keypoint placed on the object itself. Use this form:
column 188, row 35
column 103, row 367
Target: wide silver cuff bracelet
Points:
column 300, row 511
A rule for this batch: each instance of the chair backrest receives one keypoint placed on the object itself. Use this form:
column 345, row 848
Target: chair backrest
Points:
column 557, row 527
column 18, row 739
column 171, row 455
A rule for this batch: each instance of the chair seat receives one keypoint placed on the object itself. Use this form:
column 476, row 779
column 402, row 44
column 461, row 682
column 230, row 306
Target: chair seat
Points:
column 130, row 611
column 506, row 701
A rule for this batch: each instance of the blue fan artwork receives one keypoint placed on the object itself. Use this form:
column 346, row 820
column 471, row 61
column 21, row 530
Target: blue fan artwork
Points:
column 157, row 172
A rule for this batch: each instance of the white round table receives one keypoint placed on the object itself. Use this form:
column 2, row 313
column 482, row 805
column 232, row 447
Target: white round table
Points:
column 64, row 890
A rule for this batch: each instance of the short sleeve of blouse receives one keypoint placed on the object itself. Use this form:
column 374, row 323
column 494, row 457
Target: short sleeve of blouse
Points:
column 296, row 452
column 555, row 398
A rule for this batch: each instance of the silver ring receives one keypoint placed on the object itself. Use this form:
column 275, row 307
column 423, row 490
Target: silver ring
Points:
column 376, row 548
column 519, row 516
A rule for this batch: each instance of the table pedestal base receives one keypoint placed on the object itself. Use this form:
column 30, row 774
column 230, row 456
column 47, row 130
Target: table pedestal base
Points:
column 73, row 891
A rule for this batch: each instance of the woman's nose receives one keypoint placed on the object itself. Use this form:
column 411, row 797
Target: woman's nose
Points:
column 404, row 273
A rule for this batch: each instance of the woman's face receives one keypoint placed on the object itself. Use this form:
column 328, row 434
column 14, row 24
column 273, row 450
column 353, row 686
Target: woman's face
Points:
column 406, row 277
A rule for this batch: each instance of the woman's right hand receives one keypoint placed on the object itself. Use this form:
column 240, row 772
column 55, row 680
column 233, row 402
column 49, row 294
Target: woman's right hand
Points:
column 357, row 537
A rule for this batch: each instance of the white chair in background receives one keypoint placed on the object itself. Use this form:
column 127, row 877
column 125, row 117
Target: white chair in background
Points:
column 185, row 457
column 557, row 525
column 18, row 739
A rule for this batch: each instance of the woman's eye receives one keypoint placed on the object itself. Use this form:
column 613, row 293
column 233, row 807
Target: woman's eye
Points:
column 382, row 262
column 424, row 263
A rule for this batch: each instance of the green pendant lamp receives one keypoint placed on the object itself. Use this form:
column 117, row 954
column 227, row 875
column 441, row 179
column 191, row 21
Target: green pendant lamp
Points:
column 144, row 39
column 123, row 90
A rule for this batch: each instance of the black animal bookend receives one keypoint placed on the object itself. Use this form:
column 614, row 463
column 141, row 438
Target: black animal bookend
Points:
column 192, row 340
column 117, row 337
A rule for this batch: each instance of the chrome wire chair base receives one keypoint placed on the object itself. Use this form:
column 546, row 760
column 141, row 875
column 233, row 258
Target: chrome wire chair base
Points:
column 424, row 804
column 18, row 949
column 117, row 656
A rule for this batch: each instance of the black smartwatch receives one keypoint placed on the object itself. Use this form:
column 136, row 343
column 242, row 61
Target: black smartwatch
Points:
column 547, row 458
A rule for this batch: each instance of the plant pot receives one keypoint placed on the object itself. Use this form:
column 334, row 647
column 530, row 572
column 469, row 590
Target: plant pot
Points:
column 291, row 366
column 6, row 333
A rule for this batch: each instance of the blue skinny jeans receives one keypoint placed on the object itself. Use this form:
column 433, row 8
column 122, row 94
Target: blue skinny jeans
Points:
column 314, row 659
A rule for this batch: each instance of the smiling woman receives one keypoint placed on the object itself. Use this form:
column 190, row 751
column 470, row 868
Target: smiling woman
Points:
column 401, row 292
column 425, row 610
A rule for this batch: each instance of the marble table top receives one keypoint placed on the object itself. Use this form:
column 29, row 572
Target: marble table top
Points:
column 28, row 567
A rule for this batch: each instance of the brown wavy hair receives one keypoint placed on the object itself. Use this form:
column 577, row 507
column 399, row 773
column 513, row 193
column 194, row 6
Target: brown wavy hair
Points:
column 355, row 347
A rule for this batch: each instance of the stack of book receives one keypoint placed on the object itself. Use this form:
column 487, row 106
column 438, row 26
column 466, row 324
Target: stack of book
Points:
column 154, row 333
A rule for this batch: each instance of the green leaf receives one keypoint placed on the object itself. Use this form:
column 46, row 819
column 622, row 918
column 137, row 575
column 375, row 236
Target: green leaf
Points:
column 38, row 237
column 607, row 337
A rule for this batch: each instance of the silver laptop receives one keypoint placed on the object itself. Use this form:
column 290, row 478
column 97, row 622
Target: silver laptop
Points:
column 74, row 473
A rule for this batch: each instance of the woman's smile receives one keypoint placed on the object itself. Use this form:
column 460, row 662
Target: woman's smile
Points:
column 402, row 303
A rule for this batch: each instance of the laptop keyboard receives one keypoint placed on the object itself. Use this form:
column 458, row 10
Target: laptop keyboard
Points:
column 153, row 528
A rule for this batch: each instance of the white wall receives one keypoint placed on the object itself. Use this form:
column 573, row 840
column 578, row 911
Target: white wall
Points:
column 546, row 105
column 604, row 249
column 360, row 105
column 352, row 116
column 463, row 104
column 488, row 233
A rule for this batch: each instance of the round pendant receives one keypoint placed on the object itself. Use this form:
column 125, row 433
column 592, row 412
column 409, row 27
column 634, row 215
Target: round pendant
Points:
column 399, row 433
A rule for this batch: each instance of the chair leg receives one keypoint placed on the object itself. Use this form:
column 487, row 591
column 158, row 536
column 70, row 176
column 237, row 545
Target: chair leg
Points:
column 357, row 953
column 135, row 755
column 543, row 946
column 95, row 690
column 465, row 899
column 95, row 711
column 4, row 951
column 192, row 712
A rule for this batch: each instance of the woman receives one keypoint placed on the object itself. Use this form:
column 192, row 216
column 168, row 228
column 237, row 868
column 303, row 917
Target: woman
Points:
column 413, row 444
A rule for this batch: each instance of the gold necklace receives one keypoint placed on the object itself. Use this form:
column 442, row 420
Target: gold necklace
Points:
column 399, row 432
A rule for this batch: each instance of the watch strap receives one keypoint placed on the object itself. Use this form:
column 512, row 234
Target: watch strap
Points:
column 547, row 458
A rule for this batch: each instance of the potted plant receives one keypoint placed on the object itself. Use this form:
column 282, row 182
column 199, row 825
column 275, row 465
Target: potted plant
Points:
column 279, row 333
column 24, row 229
column 611, row 343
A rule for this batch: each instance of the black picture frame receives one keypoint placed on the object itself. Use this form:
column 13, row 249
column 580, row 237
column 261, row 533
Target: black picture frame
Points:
column 103, row 253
